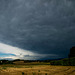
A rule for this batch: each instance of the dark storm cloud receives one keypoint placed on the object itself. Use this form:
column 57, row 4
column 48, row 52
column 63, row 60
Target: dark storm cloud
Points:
column 42, row 26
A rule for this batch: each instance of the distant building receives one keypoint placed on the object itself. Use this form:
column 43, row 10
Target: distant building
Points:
column 3, row 61
column 72, row 52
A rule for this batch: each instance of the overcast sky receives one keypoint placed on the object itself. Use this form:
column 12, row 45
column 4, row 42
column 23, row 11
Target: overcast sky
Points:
column 36, row 29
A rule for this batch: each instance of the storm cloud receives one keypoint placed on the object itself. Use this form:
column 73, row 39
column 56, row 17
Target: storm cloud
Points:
column 40, row 26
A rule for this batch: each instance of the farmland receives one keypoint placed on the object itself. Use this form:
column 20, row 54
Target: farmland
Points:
column 51, row 67
column 12, row 69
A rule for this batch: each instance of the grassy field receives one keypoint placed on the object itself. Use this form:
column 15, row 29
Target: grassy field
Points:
column 11, row 69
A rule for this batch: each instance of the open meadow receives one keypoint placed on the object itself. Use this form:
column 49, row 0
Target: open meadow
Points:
column 11, row 69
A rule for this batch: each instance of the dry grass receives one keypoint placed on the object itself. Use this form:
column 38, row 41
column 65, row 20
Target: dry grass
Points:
column 36, row 70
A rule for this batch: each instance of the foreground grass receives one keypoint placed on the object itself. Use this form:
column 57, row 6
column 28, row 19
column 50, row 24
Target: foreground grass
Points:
column 11, row 69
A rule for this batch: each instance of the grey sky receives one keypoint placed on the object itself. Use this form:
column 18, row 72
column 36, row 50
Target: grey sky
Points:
column 41, row 26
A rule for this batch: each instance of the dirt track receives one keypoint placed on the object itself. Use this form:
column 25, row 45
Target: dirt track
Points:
column 39, row 70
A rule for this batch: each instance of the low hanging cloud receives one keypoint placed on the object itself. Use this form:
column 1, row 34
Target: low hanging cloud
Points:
column 18, row 53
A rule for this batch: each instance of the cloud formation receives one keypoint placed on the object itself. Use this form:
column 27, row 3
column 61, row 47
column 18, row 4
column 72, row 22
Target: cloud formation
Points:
column 40, row 26
column 17, row 53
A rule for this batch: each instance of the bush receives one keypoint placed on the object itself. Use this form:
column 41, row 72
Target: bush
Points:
column 64, row 62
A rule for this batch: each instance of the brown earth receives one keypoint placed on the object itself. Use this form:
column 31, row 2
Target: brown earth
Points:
column 36, row 70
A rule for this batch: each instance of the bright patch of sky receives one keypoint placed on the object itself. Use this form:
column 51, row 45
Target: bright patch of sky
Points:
column 10, row 52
